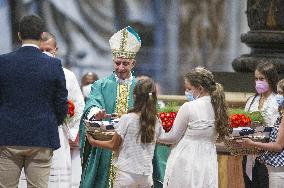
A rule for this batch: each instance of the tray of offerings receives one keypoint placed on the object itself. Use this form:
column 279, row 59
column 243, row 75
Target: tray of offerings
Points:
column 101, row 130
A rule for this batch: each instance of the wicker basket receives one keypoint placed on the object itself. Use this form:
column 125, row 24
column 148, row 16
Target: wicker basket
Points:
column 99, row 134
column 236, row 149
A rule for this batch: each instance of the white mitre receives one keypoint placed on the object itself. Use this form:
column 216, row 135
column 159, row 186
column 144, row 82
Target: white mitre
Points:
column 125, row 43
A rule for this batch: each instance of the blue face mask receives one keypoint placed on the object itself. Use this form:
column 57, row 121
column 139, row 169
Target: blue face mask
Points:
column 189, row 95
column 279, row 99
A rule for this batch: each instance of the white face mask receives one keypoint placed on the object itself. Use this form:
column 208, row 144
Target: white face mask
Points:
column 279, row 99
column 86, row 90
column 189, row 95
column 48, row 53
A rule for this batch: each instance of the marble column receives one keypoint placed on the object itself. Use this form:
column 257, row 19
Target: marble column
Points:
column 266, row 35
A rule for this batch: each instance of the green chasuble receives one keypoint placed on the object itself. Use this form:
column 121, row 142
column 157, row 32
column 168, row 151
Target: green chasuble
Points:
column 159, row 164
column 96, row 161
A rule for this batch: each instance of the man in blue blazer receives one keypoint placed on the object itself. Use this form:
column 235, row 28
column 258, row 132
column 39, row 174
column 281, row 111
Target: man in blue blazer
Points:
column 33, row 103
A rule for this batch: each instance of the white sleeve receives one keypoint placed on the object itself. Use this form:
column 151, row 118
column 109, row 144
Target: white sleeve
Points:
column 76, row 96
column 271, row 112
column 122, row 126
column 158, row 128
column 179, row 126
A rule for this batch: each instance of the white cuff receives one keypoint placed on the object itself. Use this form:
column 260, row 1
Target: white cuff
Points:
column 94, row 110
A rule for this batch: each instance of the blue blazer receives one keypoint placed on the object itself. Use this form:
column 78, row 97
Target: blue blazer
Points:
column 33, row 98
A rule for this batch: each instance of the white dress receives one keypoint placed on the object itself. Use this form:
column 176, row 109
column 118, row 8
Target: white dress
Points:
column 192, row 162
column 65, row 171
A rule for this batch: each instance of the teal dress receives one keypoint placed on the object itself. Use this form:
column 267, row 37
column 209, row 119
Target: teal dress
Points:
column 96, row 162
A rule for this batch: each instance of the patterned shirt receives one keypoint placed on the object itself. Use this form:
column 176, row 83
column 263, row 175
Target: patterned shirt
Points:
column 275, row 159
column 134, row 156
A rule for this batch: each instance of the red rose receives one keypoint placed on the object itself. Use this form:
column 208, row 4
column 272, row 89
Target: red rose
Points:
column 71, row 108
column 239, row 120
column 167, row 120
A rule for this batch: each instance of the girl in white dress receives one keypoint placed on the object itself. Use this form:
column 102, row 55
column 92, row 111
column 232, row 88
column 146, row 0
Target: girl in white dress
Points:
column 274, row 155
column 193, row 159
column 135, row 139
column 255, row 173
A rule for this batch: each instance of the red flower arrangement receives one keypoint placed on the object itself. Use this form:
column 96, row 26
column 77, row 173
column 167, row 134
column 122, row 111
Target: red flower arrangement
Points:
column 239, row 120
column 71, row 109
column 167, row 119
column 168, row 114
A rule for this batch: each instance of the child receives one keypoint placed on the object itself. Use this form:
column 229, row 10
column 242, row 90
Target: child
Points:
column 135, row 138
column 273, row 157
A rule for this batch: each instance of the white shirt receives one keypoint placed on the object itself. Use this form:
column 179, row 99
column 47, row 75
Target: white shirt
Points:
column 32, row 45
column 134, row 156
column 269, row 109
column 270, row 112
column 76, row 96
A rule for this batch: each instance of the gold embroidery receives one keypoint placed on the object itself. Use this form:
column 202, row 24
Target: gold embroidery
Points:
column 124, row 39
column 121, row 108
column 122, row 99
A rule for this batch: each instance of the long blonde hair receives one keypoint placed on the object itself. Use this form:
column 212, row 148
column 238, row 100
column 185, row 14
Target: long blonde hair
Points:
column 203, row 77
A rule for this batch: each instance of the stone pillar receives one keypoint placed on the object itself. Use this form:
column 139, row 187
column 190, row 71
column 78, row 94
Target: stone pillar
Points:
column 266, row 35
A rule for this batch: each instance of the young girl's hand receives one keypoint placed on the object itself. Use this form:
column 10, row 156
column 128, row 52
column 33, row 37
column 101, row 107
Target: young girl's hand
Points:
column 246, row 142
column 91, row 140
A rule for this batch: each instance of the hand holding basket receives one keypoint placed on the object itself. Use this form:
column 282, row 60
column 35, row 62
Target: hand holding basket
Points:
column 101, row 130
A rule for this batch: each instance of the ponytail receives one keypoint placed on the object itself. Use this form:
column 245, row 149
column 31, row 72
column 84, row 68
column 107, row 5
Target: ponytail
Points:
column 148, row 120
column 220, row 109
column 145, row 102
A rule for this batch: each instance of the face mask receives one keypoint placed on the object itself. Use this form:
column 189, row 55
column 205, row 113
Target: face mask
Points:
column 279, row 99
column 261, row 86
column 48, row 53
column 86, row 90
column 189, row 95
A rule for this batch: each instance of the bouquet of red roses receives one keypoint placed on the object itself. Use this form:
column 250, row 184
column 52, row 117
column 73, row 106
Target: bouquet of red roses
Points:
column 239, row 120
column 71, row 111
column 167, row 115
column 167, row 119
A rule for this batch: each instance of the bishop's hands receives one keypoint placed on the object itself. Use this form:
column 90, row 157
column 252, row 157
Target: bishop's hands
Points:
column 97, row 114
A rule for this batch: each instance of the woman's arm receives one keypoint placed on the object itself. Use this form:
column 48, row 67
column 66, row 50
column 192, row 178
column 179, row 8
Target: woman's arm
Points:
column 179, row 127
column 271, row 146
column 112, row 144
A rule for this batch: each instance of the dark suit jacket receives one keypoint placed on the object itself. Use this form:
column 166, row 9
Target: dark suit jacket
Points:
column 33, row 98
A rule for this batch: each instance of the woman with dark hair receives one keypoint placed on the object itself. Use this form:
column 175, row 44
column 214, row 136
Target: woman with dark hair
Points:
column 135, row 138
column 193, row 159
column 266, row 78
column 274, row 155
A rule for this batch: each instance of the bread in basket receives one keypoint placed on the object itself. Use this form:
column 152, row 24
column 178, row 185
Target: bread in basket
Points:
column 101, row 130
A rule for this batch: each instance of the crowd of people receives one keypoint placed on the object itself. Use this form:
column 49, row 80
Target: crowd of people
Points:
column 41, row 147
